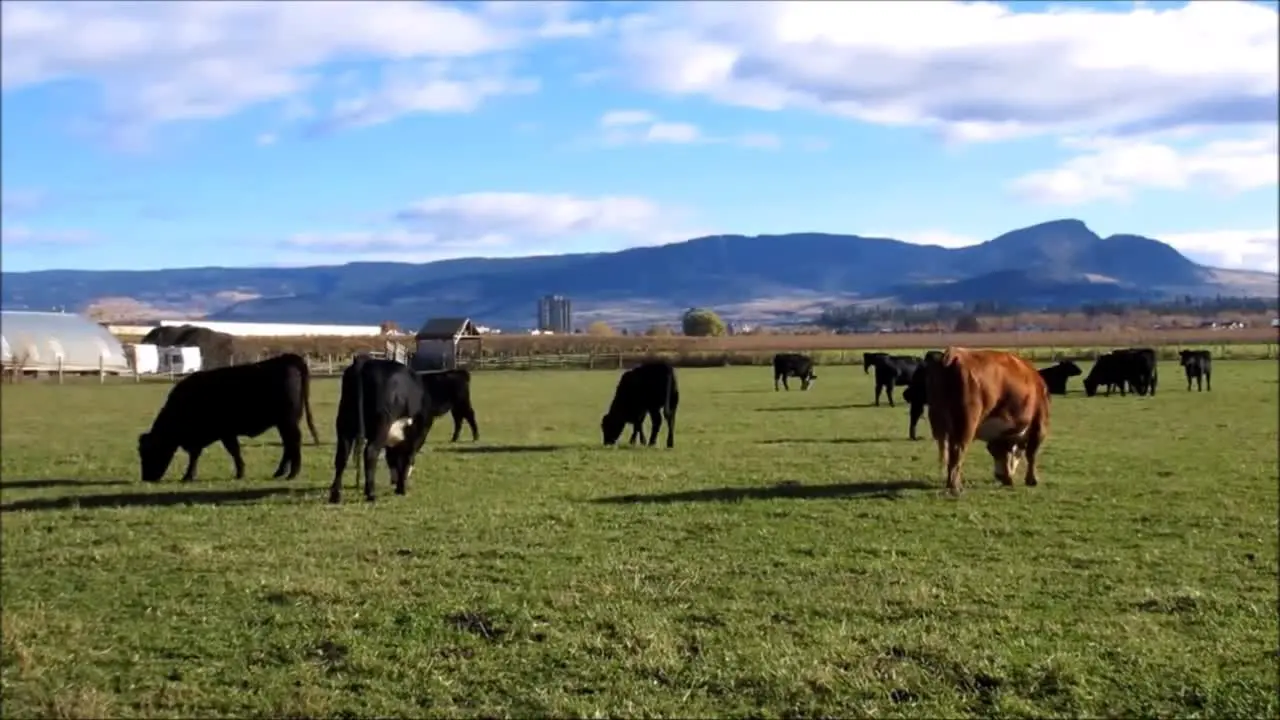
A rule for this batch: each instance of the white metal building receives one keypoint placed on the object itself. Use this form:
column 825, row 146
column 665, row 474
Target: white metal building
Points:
column 45, row 341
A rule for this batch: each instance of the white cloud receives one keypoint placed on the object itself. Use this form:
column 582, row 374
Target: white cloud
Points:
column 158, row 62
column 1257, row 249
column 1115, row 168
column 431, row 87
column 976, row 71
column 499, row 224
column 630, row 127
column 19, row 236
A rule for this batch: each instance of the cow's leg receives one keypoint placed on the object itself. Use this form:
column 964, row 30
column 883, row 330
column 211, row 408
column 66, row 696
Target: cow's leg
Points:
column 916, row 411
column 655, row 420
column 879, row 386
column 457, row 424
column 193, row 458
column 371, row 452
column 470, row 417
column 232, row 444
column 341, row 453
column 888, row 392
column 785, row 386
column 671, row 427
column 1002, row 453
column 775, row 382
column 1036, row 435
column 291, row 442
column 1189, row 381
column 1208, row 380
column 637, row 428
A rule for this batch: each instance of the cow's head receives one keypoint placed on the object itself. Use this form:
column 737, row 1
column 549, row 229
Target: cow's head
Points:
column 869, row 360
column 611, row 428
column 1070, row 369
column 1184, row 357
column 155, row 455
column 1090, row 386
column 807, row 381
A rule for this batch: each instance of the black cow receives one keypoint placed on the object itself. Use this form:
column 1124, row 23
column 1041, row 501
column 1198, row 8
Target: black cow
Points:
column 450, row 392
column 793, row 365
column 893, row 370
column 1056, row 376
column 1199, row 365
column 386, row 406
column 1130, row 368
column 1144, row 369
column 869, row 360
column 647, row 388
column 226, row 403
column 917, row 396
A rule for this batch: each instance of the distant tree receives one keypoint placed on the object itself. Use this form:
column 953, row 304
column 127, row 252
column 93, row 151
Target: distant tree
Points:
column 968, row 324
column 386, row 327
column 599, row 327
column 658, row 331
column 701, row 322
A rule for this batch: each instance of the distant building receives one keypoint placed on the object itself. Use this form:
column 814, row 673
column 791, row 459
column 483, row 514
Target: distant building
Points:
column 555, row 313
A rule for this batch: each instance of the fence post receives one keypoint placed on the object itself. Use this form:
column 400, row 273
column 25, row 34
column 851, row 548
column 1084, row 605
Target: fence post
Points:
column 590, row 361
column 137, row 376
column 60, row 369
column 102, row 370
column 619, row 361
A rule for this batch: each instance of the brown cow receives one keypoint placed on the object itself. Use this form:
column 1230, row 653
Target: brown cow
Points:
column 993, row 396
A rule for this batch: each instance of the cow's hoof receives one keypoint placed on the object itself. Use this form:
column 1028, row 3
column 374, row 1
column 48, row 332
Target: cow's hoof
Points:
column 401, row 491
column 1032, row 482
column 370, row 498
column 335, row 498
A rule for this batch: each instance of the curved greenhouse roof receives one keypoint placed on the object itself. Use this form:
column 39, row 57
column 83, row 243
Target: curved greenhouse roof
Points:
column 35, row 341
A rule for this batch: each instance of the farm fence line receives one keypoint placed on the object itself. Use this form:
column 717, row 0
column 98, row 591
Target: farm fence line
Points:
column 332, row 365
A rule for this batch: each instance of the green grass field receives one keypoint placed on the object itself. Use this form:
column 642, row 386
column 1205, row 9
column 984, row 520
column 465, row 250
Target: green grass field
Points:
column 793, row 556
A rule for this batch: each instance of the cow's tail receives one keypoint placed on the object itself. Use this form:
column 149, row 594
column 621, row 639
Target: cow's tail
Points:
column 666, row 403
column 306, row 403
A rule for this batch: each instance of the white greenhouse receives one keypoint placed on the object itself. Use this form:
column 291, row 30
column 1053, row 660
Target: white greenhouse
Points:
column 45, row 342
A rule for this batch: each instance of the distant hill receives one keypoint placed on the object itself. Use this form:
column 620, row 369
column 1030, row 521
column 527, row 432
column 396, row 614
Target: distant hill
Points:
column 1059, row 263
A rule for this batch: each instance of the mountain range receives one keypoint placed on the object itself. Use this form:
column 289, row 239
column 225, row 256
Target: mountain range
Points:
column 1060, row 263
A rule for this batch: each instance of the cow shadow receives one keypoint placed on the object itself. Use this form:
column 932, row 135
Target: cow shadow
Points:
column 44, row 483
column 830, row 441
column 804, row 408
column 751, row 391
column 152, row 499
column 785, row 490
column 499, row 449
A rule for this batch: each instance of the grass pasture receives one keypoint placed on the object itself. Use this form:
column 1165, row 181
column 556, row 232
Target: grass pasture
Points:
column 793, row 556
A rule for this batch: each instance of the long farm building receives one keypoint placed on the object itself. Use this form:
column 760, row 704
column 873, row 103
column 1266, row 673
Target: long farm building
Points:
column 247, row 329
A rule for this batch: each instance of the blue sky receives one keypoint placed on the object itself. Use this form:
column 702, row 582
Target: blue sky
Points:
column 152, row 135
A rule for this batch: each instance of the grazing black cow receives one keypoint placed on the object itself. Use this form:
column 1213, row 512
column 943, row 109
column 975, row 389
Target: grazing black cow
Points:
column 647, row 388
column 1056, row 376
column 1125, row 369
column 893, row 370
column 384, row 405
column 450, row 392
column 793, row 365
column 1199, row 365
column 226, row 403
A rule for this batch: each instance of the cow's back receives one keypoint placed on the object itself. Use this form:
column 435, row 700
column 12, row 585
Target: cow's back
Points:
column 968, row 386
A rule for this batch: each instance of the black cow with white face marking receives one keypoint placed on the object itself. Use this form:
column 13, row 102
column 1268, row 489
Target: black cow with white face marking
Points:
column 893, row 370
column 1198, row 365
column 385, row 406
column 227, row 403
column 649, row 388
column 1056, row 376
column 793, row 365
column 450, row 392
